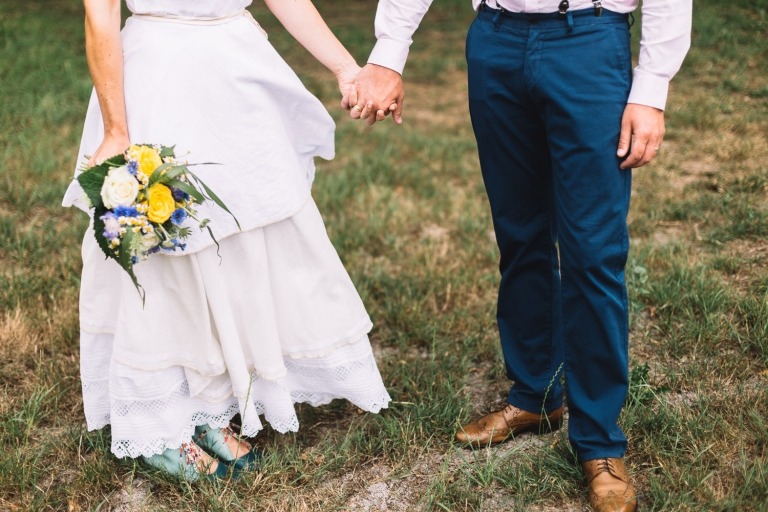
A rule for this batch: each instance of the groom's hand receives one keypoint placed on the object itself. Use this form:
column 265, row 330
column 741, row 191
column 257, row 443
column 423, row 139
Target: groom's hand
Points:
column 642, row 130
column 377, row 92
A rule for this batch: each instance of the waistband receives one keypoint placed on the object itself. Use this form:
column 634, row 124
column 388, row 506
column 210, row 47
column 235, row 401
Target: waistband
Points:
column 201, row 20
column 549, row 19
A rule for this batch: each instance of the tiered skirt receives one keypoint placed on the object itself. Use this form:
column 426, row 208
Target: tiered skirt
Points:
column 268, row 320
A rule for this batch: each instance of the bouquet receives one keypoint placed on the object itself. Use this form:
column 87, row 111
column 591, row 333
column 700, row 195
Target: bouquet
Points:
column 141, row 200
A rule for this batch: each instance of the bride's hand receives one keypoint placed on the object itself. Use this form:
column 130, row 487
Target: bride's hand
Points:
column 346, row 78
column 347, row 85
column 364, row 109
column 109, row 147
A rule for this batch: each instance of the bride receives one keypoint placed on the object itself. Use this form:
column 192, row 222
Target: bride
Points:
column 272, row 318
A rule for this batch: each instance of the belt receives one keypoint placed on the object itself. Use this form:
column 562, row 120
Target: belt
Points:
column 200, row 20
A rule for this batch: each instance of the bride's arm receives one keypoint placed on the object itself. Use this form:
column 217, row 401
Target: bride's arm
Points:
column 301, row 19
column 104, row 52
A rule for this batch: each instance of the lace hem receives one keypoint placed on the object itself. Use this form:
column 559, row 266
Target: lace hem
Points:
column 152, row 424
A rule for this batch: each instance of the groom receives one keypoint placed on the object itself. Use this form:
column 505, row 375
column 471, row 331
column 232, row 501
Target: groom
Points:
column 560, row 121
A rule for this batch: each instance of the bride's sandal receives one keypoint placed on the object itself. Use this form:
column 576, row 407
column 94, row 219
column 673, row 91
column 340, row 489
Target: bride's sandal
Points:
column 188, row 462
column 227, row 446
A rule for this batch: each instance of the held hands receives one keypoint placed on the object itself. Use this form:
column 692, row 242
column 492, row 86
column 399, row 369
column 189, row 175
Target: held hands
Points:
column 376, row 92
column 642, row 130
column 346, row 77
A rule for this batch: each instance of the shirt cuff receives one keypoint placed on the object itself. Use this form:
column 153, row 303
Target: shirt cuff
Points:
column 648, row 89
column 390, row 53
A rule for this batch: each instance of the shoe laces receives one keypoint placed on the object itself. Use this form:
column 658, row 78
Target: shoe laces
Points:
column 605, row 466
column 511, row 409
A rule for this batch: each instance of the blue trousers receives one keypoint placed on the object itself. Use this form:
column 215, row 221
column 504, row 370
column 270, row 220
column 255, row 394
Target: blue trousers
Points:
column 546, row 97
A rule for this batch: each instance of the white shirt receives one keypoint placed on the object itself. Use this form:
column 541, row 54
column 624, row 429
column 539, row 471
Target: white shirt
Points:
column 666, row 36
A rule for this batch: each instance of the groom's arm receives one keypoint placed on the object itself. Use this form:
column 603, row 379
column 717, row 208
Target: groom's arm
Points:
column 379, row 86
column 396, row 21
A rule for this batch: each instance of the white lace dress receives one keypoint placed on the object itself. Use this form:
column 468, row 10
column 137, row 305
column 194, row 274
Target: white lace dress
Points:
column 275, row 320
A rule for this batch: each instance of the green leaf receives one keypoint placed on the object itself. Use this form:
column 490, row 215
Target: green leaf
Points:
column 189, row 189
column 125, row 261
column 218, row 247
column 115, row 161
column 92, row 181
column 213, row 197
column 166, row 151
column 122, row 255
column 158, row 174
column 169, row 174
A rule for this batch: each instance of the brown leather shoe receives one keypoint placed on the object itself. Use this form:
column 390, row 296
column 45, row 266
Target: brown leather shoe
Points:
column 501, row 425
column 609, row 487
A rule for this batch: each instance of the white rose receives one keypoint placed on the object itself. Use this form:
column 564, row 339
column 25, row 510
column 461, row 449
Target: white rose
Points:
column 120, row 188
column 148, row 241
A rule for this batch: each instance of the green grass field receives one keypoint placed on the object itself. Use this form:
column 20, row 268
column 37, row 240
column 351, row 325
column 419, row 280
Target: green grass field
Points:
column 406, row 209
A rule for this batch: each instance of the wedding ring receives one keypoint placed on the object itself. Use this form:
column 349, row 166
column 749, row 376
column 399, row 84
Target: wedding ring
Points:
column 357, row 108
column 657, row 148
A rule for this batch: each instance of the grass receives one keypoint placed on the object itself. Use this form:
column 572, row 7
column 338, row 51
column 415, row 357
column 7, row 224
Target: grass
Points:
column 406, row 209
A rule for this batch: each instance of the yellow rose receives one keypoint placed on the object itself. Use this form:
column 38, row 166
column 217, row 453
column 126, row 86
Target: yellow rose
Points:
column 148, row 158
column 161, row 203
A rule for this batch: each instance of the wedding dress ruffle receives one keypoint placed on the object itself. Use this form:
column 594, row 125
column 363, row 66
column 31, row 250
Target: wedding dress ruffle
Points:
column 271, row 320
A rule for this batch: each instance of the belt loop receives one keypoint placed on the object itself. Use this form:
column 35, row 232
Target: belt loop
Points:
column 569, row 19
column 497, row 19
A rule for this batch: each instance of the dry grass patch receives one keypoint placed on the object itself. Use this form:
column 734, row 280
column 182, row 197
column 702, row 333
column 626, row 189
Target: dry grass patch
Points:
column 406, row 209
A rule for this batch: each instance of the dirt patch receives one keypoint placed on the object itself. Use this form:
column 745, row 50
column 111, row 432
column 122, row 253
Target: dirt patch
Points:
column 449, row 109
column 673, row 232
column 132, row 497
column 693, row 171
column 382, row 490
column 378, row 495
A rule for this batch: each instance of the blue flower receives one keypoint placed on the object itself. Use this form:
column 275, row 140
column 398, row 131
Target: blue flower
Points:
column 179, row 195
column 178, row 244
column 133, row 166
column 134, row 260
column 179, row 216
column 111, row 226
column 126, row 211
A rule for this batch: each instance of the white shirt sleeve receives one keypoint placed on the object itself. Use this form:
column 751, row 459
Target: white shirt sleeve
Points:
column 396, row 21
column 666, row 37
